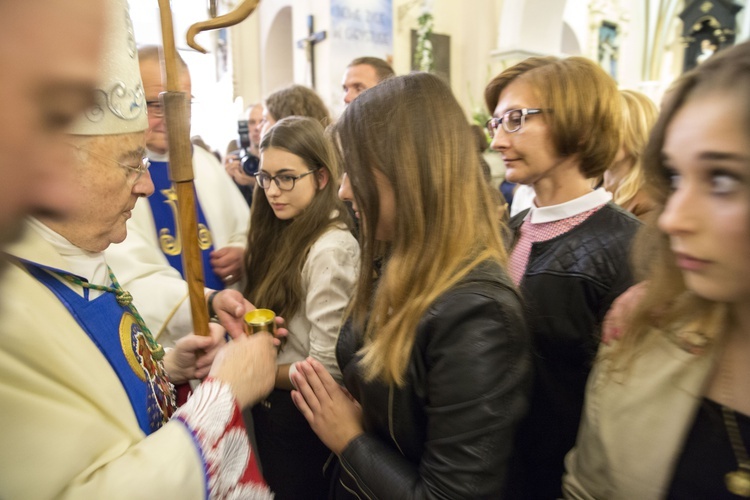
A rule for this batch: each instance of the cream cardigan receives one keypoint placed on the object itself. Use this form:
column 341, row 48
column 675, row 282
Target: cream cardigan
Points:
column 633, row 428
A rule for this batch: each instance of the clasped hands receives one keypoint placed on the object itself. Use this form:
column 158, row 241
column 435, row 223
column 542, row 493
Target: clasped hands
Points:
column 333, row 414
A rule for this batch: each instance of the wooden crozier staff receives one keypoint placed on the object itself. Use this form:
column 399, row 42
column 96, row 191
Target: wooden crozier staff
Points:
column 176, row 107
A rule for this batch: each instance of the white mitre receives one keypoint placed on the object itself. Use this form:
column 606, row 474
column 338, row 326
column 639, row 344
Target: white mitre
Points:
column 120, row 105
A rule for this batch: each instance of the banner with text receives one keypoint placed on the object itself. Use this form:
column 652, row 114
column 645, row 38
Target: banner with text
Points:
column 358, row 28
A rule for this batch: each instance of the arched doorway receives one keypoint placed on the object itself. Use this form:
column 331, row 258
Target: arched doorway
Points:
column 278, row 55
column 570, row 45
column 531, row 27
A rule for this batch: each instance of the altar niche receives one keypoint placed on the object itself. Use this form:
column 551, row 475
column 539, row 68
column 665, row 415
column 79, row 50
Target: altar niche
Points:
column 708, row 27
column 608, row 51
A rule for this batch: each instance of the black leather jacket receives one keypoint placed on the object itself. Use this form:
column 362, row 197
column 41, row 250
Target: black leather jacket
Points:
column 448, row 432
column 568, row 287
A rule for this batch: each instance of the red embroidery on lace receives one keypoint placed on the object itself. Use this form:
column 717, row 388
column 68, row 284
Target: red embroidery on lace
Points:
column 214, row 418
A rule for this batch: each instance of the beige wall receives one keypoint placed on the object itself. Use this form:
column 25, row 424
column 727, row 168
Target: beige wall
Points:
column 472, row 27
column 478, row 29
column 245, row 48
column 486, row 36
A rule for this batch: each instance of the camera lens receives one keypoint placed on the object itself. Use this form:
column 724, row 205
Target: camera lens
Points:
column 250, row 165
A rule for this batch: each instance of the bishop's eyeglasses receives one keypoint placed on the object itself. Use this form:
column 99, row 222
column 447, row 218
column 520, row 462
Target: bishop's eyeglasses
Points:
column 512, row 120
column 284, row 182
column 135, row 172
column 156, row 109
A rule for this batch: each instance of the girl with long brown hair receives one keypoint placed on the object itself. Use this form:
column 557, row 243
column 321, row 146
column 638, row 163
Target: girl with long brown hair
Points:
column 667, row 410
column 301, row 263
column 435, row 352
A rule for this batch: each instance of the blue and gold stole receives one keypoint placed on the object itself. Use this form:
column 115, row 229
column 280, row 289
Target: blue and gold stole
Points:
column 164, row 207
column 115, row 331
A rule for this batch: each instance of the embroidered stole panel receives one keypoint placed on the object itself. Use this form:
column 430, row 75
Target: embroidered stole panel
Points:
column 164, row 208
column 114, row 330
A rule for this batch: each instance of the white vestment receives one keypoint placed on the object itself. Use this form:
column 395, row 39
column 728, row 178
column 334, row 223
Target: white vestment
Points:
column 67, row 426
column 158, row 290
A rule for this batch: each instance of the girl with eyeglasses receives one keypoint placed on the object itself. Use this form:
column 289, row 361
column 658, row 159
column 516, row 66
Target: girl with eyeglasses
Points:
column 557, row 126
column 434, row 351
column 302, row 263
column 667, row 410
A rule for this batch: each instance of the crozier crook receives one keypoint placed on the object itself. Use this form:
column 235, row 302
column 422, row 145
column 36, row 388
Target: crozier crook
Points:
column 229, row 19
column 177, row 115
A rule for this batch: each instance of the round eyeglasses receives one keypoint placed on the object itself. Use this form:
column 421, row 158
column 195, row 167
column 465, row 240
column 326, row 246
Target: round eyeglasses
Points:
column 512, row 120
column 284, row 182
column 155, row 108
column 135, row 172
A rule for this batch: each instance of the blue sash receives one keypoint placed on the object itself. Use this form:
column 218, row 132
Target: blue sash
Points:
column 119, row 338
column 164, row 207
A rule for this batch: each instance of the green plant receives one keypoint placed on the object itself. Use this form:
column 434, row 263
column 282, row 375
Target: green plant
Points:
column 479, row 114
column 423, row 51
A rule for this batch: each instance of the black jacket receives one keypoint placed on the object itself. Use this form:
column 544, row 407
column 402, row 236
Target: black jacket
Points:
column 448, row 432
column 568, row 287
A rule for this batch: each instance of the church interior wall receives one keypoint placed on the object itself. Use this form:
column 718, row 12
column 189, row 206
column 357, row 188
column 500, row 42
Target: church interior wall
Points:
column 324, row 85
column 276, row 48
column 246, row 59
column 485, row 37
column 472, row 28
column 213, row 109
column 743, row 23
column 529, row 27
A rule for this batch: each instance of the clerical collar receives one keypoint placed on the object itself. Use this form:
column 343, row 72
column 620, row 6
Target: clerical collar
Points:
column 89, row 265
column 153, row 156
column 540, row 215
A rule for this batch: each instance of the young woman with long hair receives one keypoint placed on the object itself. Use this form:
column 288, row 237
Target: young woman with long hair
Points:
column 668, row 405
column 302, row 263
column 434, row 352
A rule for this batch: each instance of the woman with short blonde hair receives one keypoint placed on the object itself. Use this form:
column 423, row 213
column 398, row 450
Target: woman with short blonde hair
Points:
column 625, row 178
column 556, row 122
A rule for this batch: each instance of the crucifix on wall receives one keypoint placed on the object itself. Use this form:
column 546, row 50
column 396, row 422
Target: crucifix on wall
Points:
column 309, row 45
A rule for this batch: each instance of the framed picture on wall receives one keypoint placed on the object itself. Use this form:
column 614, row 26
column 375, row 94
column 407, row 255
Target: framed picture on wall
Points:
column 609, row 48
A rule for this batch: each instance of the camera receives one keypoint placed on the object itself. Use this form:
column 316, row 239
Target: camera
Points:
column 250, row 163
column 244, row 132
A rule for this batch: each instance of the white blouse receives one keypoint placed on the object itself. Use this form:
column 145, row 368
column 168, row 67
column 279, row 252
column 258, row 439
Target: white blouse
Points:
column 328, row 279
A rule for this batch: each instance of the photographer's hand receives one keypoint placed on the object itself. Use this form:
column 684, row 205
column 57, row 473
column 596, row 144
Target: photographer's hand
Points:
column 233, row 165
column 243, row 179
